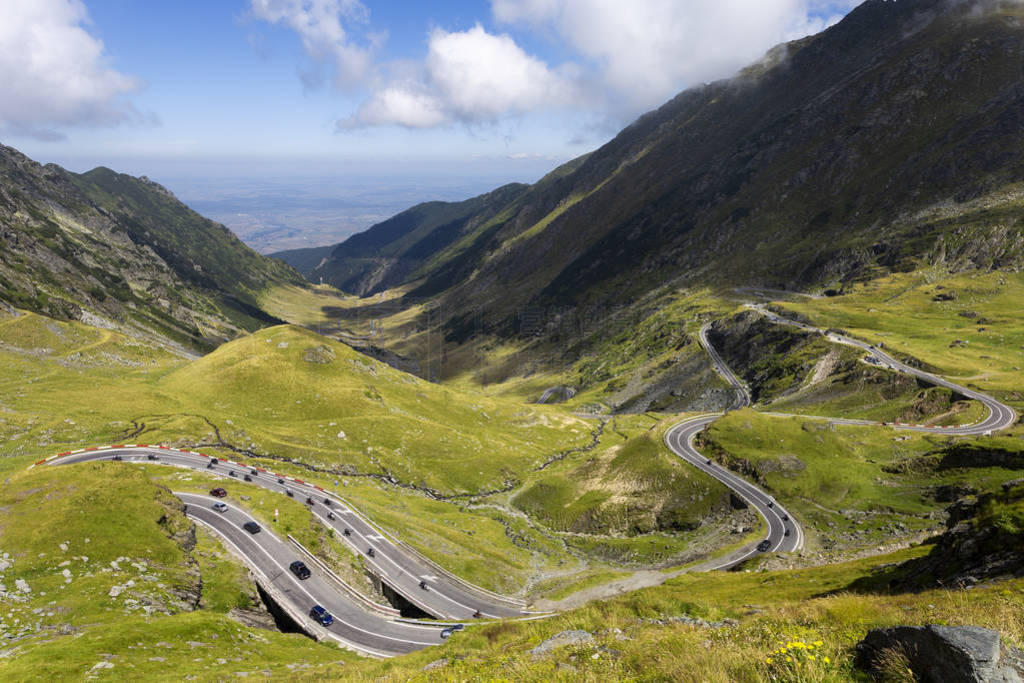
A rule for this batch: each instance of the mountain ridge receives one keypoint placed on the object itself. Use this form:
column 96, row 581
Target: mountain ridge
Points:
column 795, row 173
column 119, row 251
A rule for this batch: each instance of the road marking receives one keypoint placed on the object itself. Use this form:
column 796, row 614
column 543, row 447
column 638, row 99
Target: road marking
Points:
column 295, row 581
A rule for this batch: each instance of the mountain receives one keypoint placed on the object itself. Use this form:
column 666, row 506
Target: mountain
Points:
column 118, row 251
column 306, row 259
column 887, row 141
column 403, row 246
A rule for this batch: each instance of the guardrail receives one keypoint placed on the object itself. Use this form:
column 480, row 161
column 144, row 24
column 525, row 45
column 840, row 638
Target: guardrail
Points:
column 303, row 620
column 385, row 610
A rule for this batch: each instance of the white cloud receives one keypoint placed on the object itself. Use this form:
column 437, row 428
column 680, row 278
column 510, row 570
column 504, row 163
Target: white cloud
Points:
column 630, row 56
column 54, row 73
column 644, row 51
column 319, row 24
column 469, row 76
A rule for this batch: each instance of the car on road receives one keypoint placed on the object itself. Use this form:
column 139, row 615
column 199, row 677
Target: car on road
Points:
column 785, row 517
column 252, row 527
column 218, row 492
column 787, row 533
column 253, row 472
column 220, row 507
column 152, row 456
column 247, row 478
column 321, row 616
column 300, row 569
column 764, row 545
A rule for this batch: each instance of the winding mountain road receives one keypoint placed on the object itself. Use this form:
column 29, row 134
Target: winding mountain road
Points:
column 377, row 630
column 399, row 567
column 784, row 532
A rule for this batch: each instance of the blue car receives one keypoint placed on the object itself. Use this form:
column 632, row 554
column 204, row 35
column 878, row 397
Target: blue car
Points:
column 321, row 616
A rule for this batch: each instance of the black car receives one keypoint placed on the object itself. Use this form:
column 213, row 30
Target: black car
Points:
column 253, row 472
column 300, row 569
column 232, row 473
column 247, row 478
column 370, row 552
column 214, row 461
column 252, row 527
column 151, row 456
column 764, row 545
column 280, row 481
column 321, row 616
column 787, row 533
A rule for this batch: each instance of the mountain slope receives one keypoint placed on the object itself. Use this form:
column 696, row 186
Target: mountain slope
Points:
column 120, row 251
column 391, row 252
column 807, row 169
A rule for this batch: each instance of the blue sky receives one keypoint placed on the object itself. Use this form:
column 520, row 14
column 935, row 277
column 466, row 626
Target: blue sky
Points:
column 265, row 87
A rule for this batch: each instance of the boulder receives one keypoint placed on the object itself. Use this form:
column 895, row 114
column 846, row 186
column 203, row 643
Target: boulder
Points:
column 944, row 653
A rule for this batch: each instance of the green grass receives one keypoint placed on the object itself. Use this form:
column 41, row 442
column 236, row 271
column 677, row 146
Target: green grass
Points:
column 65, row 386
column 633, row 488
column 922, row 314
column 771, row 609
column 849, row 486
column 124, row 531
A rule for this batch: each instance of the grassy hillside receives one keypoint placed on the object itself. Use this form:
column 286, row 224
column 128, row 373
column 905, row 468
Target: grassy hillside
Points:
column 433, row 464
column 967, row 324
column 854, row 488
column 105, row 577
column 796, row 625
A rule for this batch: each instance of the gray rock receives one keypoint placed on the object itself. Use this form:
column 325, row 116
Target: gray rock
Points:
column 945, row 653
column 561, row 640
column 436, row 664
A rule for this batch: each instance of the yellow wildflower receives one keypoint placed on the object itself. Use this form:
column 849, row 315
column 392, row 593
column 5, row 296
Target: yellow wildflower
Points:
column 826, row 660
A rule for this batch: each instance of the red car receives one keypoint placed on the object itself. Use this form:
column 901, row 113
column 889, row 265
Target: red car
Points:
column 218, row 492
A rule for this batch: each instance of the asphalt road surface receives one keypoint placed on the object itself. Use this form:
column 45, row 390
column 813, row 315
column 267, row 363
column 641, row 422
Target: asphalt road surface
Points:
column 270, row 556
column 784, row 532
column 400, row 569
column 443, row 595
column 999, row 416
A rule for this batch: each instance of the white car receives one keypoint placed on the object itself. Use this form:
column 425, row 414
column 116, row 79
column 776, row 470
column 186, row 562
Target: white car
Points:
column 220, row 507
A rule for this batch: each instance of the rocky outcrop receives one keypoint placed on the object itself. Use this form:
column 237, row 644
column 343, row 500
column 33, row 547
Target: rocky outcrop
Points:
column 984, row 539
column 937, row 654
